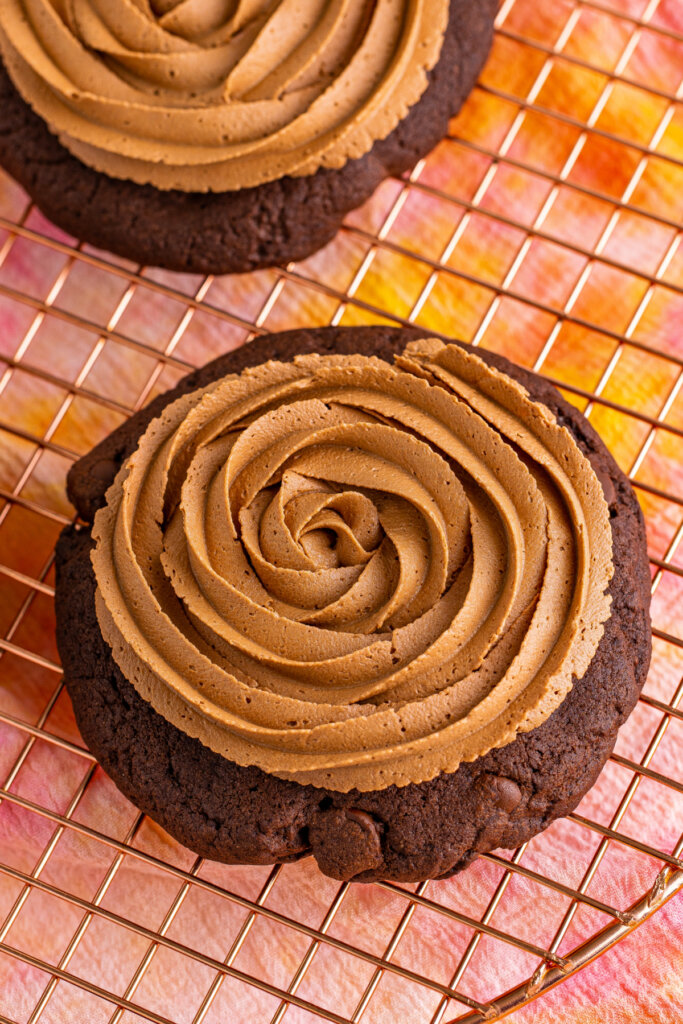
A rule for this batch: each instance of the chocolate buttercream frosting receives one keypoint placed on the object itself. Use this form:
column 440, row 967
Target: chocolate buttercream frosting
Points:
column 217, row 95
column 351, row 574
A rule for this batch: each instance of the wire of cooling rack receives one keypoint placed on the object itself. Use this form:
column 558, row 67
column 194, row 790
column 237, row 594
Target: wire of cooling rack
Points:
column 82, row 393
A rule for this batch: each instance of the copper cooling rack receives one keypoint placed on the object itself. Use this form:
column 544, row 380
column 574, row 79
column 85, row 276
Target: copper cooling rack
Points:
column 503, row 238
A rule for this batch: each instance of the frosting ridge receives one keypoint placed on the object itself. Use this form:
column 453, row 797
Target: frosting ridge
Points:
column 220, row 95
column 352, row 574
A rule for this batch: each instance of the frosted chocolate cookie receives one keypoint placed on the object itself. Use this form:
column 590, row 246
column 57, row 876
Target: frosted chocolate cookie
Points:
column 386, row 608
column 218, row 138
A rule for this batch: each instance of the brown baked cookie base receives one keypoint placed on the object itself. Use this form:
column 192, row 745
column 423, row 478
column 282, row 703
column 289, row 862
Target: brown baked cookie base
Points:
column 231, row 232
column 230, row 813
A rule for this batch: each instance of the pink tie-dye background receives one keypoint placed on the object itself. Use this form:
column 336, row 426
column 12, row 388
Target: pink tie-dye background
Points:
column 571, row 146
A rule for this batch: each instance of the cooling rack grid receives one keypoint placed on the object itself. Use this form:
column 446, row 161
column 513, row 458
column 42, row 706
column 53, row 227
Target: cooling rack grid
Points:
column 547, row 226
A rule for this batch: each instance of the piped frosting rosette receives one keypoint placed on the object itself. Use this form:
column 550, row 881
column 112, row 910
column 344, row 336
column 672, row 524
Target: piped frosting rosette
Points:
column 214, row 95
column 352, row 574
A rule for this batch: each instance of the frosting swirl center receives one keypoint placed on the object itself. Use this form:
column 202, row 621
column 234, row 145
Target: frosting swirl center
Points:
column 352, row 574
column 214, row 95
